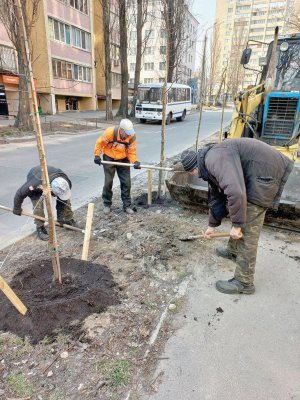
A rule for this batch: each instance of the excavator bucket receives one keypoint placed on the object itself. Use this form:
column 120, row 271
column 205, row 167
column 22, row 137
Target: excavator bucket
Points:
column 192, row 192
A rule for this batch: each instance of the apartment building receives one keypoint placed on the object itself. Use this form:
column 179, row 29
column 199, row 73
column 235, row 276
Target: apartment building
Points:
column 67, row 58
column 63, row 55
column 238, row 21
column 9, row 80
column 154, row 53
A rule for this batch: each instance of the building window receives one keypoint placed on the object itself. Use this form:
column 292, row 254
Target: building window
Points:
column 81, row 39
column 115, row 52
column 115, row 79
column 149, row 34
column 149, row 66
column 80, row 5
column 149, row 50
column 162, row 66
column 148, row 80
column 7, row 59
column 132, row 51
column 132, row 35
column 132, row 67
column 66, row 70
column 62, row 32
column 163, row 49
column 163, row 33
column 161, row 80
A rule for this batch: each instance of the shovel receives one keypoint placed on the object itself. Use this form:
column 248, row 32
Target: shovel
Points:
column 213, row 235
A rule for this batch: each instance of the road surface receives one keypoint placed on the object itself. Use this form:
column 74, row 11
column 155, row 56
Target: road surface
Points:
column 74, row 155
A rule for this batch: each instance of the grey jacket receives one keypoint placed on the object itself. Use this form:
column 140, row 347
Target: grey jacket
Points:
column 34, row 179
column 240, row 171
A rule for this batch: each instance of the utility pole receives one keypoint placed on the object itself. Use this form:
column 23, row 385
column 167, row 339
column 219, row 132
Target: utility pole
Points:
column 53, row 246
column 201, row 91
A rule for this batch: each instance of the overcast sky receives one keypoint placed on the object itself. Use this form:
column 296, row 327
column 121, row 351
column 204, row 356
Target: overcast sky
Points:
column 204, row 11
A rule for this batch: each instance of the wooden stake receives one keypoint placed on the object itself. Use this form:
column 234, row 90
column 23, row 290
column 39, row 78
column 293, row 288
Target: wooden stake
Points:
column 87, row 235
column 39, row 138
column 12, row 297
column 149, row 187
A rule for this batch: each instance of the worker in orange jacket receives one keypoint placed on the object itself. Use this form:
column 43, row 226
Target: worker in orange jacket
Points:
column 117, row 144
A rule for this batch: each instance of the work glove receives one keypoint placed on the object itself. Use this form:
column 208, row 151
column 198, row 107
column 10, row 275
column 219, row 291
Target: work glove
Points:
column 137, row 165
column 17, row 211
column 97, row 160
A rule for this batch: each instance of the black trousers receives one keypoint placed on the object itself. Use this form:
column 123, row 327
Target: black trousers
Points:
column 125, row 182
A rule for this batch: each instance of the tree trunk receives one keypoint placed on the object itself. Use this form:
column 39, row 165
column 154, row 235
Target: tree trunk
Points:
column 107, row 69
column 171, row 40
column 123, row 109
column 138, row 60
column 23, row 119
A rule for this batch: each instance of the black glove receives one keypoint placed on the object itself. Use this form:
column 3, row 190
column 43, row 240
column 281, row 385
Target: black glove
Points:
column 97, row 160
column 17, row 211
column 137, row 165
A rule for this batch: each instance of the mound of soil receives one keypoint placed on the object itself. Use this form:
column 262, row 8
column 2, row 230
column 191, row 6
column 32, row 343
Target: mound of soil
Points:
column 87, row 288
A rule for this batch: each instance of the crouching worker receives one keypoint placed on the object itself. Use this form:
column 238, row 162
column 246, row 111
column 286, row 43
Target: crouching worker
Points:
column 118, row 143
column 247, row 176
column 60, row 188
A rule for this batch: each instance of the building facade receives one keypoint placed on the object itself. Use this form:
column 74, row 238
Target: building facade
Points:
column 9, row 80
column 67, row 58
column 154, row 46
column 238, row 21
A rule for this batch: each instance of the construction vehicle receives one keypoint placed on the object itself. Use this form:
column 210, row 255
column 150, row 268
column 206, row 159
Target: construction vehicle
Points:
column 269, row 111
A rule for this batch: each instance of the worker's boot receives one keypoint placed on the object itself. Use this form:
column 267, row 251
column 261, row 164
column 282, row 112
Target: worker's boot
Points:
column 233, row 286
column 71, row 222
column 225, row 253
column 42, row 233
column 129, row 210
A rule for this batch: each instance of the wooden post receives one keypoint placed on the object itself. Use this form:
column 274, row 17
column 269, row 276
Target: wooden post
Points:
column 11, row 295
column 149, row 187
column 53, row 246
column 87, row 234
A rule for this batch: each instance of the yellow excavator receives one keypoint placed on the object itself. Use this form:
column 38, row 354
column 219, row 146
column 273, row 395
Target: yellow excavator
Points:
column 268, row 111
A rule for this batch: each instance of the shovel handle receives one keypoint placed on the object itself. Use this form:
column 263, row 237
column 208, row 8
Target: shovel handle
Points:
column 213, row 235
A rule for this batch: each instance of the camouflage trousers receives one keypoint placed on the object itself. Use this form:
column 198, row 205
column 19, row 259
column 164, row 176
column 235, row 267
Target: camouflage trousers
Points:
column 63, row 210
column 245, row 248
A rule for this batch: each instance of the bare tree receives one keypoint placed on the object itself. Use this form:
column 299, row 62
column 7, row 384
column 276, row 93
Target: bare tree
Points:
column 141, row 16
column 213, row 76
column 123, row 109
column 107, row 65
column 293, row 23
column 9, row 19
column 235, row 71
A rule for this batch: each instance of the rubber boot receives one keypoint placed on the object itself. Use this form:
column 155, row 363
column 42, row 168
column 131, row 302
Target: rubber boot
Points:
column 233, row 286
column 42, row 233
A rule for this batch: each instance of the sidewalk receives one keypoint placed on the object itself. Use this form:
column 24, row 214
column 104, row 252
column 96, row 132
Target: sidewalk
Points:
column 231, row 347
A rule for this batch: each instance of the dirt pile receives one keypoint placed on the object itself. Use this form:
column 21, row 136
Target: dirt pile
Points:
column 87, row 289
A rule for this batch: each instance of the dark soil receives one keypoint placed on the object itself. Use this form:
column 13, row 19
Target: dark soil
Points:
column 142, row 200
column 87, row 288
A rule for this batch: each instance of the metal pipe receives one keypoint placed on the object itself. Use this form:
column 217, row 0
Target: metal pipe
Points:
column 132, row 165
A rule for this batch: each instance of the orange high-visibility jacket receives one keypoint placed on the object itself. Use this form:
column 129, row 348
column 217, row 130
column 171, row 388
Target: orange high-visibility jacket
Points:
column 113, row 146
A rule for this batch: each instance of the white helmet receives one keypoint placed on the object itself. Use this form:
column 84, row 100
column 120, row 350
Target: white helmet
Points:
column 127, row 126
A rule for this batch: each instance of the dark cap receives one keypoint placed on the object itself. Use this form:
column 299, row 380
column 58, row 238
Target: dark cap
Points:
column 189, row 160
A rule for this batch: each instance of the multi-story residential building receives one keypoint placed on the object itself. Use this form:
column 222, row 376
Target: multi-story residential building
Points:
column 67, row 58
column 154, row 52
column 63, row 55
column 9, row 80
column 238, row 21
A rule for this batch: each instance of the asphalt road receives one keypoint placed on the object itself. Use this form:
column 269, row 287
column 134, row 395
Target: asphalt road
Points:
column 74, row 155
